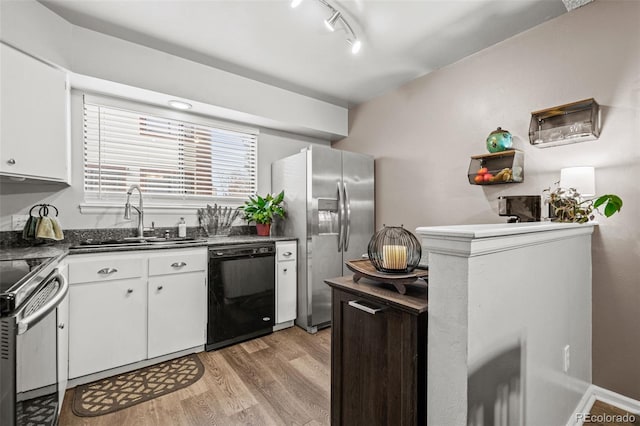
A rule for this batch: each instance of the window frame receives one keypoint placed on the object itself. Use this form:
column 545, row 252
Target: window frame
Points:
column 160, row 203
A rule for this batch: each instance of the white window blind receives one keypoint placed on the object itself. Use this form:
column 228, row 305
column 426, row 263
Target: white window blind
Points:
column 169, row 158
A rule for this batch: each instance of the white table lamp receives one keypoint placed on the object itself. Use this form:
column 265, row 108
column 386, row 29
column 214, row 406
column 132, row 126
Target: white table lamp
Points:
column 581, row 178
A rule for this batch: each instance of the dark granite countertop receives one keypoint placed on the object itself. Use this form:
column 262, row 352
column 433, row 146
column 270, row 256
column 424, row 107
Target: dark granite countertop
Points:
column 60, row 250
column 63, row 249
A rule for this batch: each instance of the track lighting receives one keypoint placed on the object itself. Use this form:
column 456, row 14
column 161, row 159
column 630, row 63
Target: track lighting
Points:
column 355, row 45
column 330, row 23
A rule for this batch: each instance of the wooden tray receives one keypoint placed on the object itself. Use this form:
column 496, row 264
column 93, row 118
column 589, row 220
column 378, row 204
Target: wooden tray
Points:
column 364, row 268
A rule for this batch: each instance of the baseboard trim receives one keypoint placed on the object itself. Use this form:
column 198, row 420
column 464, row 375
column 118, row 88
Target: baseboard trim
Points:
column 594, row 393
column 628, row 404
column 283, row 325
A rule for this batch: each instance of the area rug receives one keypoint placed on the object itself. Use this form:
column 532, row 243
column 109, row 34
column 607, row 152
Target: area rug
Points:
column 125, row 390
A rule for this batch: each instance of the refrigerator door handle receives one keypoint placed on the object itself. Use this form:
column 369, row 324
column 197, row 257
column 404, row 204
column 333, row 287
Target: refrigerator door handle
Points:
column 347, row 203
column 340, row 218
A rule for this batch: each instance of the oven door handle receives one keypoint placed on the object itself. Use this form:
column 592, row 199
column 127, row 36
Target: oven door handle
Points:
column 31, row 320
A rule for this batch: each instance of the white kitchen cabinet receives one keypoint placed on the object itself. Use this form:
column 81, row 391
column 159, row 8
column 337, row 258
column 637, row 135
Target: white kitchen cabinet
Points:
column 34, row 139
column 177, row 312
column 133, row 306
column 107, row 325
column 286, row 282
column 177, row 295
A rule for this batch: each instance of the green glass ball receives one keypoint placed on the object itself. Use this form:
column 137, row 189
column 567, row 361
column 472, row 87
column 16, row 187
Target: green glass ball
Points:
column 499, row 140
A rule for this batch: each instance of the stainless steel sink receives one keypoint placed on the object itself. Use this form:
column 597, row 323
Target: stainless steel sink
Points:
column 133, row 242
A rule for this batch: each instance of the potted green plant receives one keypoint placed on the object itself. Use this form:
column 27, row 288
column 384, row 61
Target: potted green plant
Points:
column 262, row 210
column 568, row 206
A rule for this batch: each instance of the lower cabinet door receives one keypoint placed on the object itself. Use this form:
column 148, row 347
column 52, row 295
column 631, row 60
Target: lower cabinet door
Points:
column 109, row 325
column 286, row 291
column 177, row 312
column 373, row 365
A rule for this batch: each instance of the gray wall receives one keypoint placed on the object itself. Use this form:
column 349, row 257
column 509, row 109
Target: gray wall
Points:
column 423, row 134
column 18, row 197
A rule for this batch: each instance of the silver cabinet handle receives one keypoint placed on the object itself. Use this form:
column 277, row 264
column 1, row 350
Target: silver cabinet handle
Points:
column 129, row 290
column 107, row 271
column 61, row 326
column 287, row 254
column 366, row 309
column 178, row 264
column 11, row 161
column 160, row 287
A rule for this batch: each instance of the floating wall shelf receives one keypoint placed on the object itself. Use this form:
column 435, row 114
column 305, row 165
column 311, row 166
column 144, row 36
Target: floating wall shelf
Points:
column 564, row 124
column 496, row 168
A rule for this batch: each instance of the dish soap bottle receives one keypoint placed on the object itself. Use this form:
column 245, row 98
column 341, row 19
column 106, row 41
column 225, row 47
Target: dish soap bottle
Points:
column 182, row 228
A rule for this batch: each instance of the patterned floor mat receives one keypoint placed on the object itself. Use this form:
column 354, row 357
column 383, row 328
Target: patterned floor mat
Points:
column 125, row 390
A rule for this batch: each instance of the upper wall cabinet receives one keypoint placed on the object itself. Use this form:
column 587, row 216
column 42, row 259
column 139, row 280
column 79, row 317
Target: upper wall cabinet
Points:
column 563, row 124
column 34, row 138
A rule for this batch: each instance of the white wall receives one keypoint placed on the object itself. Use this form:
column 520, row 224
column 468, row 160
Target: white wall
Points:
column 31, row 27
column 18, row 197
column 424, row 133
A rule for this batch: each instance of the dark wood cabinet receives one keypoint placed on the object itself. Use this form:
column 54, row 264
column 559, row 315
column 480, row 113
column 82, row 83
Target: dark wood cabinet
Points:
column 378, row 355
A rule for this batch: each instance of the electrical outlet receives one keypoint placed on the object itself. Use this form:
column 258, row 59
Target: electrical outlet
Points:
column 566, row 358
column 18, row 221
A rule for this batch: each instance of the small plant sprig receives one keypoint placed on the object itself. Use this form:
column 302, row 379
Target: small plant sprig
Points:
column 568, row 205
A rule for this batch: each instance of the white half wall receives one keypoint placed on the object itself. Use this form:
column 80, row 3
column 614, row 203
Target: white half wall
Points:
column 502, row 308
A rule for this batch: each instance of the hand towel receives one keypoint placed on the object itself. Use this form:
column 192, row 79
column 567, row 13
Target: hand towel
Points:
column 45, row 229
column 27, row 227
column 57, row 229
column 29, row 231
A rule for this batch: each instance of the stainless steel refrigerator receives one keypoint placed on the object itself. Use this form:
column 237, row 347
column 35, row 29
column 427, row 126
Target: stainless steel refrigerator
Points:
column 329, row 196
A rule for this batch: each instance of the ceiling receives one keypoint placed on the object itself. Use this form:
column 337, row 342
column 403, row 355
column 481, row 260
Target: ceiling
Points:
column 269, row 41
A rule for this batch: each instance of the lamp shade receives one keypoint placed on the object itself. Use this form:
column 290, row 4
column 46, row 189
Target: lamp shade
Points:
column 581, row 178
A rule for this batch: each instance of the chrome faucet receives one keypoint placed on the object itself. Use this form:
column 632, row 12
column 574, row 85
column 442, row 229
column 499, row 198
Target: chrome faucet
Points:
column 139, row 209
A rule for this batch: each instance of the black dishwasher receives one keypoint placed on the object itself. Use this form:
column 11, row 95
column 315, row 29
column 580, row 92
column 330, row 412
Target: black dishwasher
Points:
column 241, row 302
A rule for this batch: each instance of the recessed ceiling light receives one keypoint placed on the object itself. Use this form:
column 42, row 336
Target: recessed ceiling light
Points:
column 179, row 104
column 295, row 3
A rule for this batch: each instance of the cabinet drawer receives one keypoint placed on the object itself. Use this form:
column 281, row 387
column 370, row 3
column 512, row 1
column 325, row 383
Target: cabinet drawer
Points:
column 178, row 262
column 286, row 250
column 106, row 268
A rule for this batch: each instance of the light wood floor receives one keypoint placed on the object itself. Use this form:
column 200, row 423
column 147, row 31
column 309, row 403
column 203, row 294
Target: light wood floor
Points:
column 600, row 408
column 282, row 378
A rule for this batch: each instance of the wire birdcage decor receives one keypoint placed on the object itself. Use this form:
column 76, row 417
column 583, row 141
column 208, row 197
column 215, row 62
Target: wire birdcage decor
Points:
column 393, row 249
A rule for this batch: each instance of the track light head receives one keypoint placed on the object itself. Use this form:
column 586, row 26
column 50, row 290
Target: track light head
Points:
column 355, row 45
column 330, row 23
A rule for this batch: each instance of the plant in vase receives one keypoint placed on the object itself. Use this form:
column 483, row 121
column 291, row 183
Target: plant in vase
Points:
column 262, row 210
column 568, row 206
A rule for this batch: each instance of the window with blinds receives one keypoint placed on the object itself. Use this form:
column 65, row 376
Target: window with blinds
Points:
column 169, row 158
